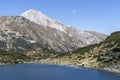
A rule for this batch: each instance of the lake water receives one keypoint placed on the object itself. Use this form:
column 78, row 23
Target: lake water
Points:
column 52, row 72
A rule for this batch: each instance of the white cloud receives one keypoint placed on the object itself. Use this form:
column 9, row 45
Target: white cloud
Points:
column 74, row 11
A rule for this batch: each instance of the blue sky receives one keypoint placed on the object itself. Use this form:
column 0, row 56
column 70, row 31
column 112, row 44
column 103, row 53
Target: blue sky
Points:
column 96, row 15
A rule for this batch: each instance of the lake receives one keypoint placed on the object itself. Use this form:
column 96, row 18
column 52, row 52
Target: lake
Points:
column 52, row 72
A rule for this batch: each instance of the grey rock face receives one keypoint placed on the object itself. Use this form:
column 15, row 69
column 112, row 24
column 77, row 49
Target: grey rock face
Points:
column 20, row 34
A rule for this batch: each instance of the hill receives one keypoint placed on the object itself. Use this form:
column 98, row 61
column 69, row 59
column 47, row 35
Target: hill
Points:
column 105, row 55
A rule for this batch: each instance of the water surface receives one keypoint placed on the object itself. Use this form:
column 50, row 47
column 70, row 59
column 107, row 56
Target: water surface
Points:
column 52, row 72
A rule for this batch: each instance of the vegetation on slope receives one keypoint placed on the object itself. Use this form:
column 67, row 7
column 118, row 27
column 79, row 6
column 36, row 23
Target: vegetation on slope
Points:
column 8, row 57
column 11, row 58
column 40, row 53
column 106, row 54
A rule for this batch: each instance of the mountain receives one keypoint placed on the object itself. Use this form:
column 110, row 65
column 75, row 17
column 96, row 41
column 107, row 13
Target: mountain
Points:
column 105, row 55
column 81, row 37
column 41, row 19
column 49, row 41
column 33, row 30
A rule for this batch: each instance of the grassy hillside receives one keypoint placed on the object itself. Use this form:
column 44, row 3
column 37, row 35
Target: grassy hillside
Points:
column 40, row 53
column 11, row 58
column 106, row 52
column 8, row 57
column 105, row 55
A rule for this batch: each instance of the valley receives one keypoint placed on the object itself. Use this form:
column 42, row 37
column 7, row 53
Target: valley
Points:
column 34, row 37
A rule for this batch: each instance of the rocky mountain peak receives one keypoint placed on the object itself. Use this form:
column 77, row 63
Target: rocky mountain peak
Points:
column 41, row 19
column 33, row 30
column 34, row 14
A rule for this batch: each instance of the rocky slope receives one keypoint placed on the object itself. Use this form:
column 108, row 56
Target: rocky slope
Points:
column 32, row 30
column 84, row 37
column 105, row 55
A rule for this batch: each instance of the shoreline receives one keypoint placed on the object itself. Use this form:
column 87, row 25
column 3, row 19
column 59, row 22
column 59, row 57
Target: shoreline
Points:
column 66, row 65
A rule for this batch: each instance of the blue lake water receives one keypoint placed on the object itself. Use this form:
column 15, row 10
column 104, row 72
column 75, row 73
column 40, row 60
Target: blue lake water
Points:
column 52, row 72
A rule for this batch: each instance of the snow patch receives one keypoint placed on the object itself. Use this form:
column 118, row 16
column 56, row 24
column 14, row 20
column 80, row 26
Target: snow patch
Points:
column 41, row 19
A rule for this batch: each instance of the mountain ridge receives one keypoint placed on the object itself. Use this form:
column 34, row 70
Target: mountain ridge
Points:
column 45, row 44
column 59, row 37
column 39, row 18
